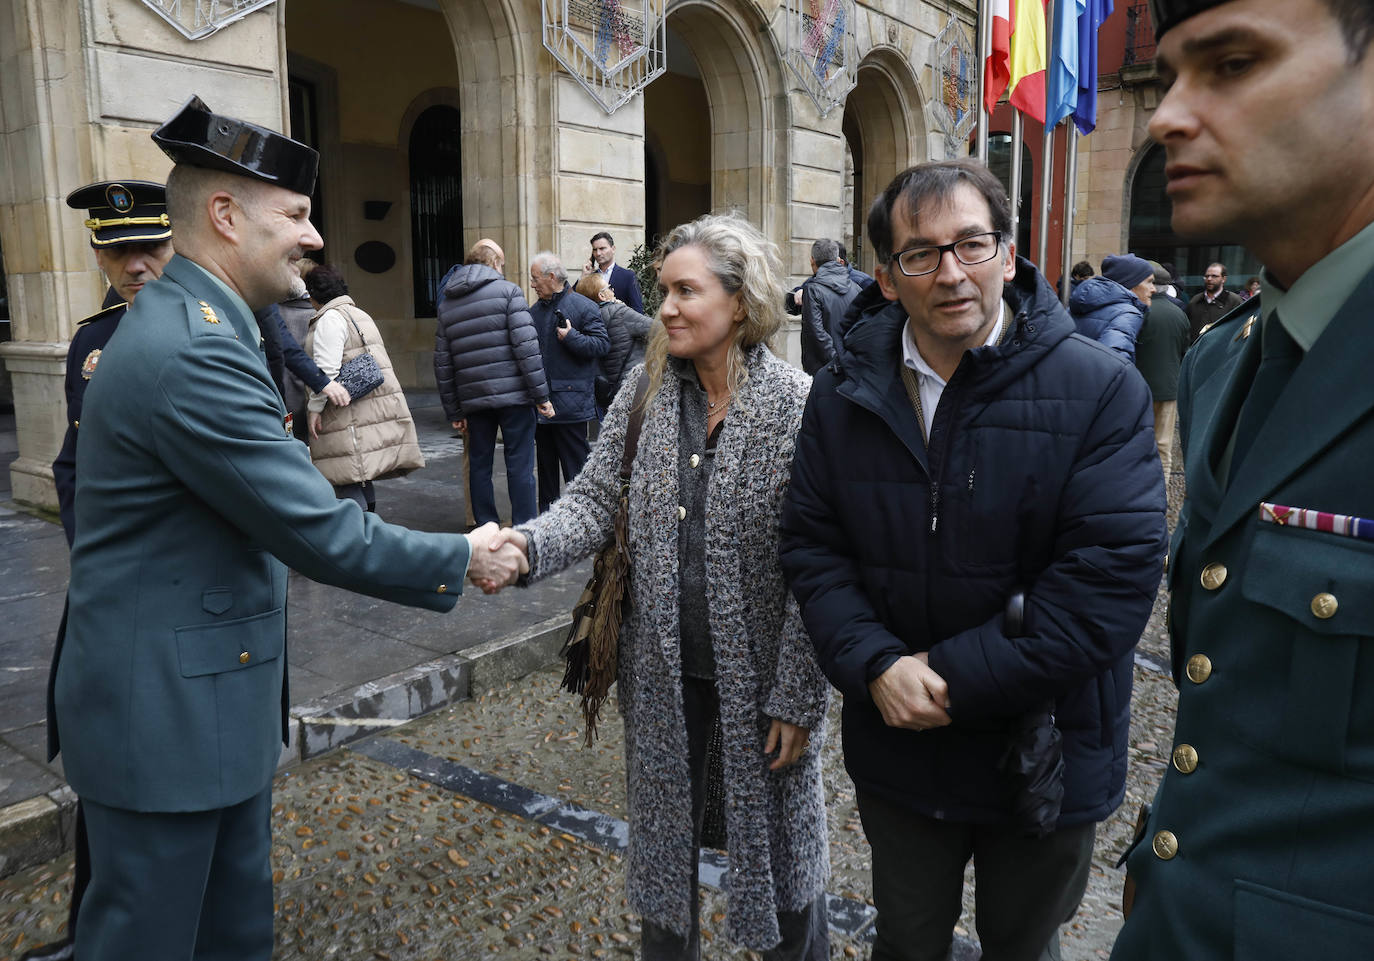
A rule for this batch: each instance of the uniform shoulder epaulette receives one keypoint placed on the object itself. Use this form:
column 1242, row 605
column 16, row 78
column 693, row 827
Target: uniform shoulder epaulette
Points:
column 1241, row 319
column 101, row 314
column 202, row 318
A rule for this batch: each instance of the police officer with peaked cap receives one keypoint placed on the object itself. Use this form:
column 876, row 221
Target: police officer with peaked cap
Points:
column 131, row 236
column 1261, row 839
column 191, row 500
column 132, row 239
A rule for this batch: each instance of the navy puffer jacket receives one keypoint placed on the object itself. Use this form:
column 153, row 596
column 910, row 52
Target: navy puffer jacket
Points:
column 486, row 349
column 1041, row 476
column 1108, row 313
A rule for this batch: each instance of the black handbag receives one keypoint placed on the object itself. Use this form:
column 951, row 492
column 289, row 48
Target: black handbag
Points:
column 360, row 375
column 591, row 649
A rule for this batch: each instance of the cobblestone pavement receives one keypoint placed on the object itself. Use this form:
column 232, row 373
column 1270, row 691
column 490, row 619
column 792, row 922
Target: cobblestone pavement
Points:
column 374, row 862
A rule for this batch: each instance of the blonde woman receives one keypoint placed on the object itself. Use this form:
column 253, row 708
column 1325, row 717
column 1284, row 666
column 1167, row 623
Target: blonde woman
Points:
column 712, row 650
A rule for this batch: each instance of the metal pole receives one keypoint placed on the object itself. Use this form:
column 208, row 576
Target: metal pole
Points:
column 1042, row 259
column 1070, row 192
column 980, row 148
column 1046, row 189
column 1014, row 188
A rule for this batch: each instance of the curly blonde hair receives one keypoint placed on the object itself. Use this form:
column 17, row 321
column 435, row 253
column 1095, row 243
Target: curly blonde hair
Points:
column 746, row 263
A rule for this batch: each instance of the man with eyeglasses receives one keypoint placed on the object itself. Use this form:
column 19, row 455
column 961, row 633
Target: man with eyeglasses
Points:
column 1213, row 302
column 974, row 531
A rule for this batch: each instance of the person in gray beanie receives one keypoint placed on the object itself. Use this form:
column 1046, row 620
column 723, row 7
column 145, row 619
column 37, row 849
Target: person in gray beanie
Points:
column 1110, row 308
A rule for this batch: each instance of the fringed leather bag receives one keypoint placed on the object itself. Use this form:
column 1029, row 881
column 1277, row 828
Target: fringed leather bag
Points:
column 593, row 642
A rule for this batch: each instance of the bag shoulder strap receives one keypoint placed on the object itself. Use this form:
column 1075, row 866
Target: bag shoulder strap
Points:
column 349, row 317
column 633, row 428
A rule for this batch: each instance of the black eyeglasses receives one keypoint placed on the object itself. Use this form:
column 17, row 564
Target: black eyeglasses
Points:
column 978, row 249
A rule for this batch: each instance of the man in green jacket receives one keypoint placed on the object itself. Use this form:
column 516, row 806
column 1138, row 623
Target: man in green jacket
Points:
column 1159, row 351
column 192, row 499
column 1262, row 833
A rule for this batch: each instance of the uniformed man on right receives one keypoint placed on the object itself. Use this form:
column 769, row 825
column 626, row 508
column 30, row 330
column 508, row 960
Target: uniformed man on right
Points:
column 1261, row 838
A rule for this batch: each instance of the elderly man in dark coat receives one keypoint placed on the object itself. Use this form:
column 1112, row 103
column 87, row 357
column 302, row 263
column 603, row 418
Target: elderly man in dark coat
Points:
column 572, row 337
column 491, row 377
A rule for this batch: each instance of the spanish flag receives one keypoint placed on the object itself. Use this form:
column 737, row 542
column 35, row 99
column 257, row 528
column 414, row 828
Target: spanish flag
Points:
column 1028, row 58
column 1018, row 57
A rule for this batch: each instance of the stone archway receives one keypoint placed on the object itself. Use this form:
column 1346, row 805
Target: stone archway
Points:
column 883, row 129
column 740, row 69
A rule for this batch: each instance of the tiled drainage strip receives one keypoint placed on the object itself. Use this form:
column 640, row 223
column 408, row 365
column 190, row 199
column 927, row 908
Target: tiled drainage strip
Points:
column 848, row 917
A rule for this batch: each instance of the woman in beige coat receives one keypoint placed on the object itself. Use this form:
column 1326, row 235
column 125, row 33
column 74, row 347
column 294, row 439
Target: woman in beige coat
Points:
column 373, row 438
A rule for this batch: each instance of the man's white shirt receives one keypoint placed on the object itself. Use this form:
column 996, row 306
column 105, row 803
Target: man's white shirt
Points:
column 931, row 384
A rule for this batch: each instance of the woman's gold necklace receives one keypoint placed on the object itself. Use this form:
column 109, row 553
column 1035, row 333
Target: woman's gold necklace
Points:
column 711, row 405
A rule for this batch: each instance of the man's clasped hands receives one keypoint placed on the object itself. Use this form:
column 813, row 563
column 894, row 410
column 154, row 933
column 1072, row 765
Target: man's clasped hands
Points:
column 497, row 557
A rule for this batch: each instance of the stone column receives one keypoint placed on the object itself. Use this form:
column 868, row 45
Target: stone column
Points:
column 598, row 163
column 81, row 86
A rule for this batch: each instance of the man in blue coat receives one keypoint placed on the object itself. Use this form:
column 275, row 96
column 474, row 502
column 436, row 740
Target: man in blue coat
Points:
column 974, row 531
column 572, row 337
column 191, row 500
column 1261, row 837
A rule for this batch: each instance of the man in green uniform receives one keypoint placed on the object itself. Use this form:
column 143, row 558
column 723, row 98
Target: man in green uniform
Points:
column 1262, row 834
column 170, row 693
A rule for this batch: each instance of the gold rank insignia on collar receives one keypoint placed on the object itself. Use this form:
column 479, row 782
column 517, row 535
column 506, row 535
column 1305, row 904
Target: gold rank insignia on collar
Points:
column 89, row 364
column 209, row 312
column 1246, row 328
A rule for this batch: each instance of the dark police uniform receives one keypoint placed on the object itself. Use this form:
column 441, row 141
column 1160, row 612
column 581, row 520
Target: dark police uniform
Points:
column 191, row 500
column 119, row 212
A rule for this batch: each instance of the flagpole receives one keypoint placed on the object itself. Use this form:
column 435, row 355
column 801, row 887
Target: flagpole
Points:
column 980, row 148
column 1017, row 132
column 1046, row 189
column 1070, row 195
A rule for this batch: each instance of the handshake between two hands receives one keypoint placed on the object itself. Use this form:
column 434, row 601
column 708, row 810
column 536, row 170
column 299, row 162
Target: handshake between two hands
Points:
column 497, row 557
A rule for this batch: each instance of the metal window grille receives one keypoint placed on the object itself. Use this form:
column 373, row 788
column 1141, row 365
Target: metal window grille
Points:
column 1140, row 34
column 822, row 51
column 197, row 19
column 436, row 202
column 612, row 48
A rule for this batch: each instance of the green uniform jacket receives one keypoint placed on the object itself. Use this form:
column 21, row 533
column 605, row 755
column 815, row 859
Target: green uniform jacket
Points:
column 1261, row 841
column 170, row 684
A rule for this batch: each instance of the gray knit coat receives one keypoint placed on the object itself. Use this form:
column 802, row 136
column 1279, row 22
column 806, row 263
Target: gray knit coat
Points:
column 765, row 665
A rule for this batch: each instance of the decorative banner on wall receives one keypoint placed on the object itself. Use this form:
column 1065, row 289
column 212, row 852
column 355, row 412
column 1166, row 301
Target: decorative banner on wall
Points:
column 954, row 72
column 821, row 49
column 613, row 48
column 197, row 19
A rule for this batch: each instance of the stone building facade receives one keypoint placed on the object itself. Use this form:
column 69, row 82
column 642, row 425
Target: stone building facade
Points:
column 438, row 122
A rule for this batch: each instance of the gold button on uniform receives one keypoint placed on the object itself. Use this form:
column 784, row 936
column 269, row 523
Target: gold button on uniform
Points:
column 1213, row 576
column 1185, row 759
column 442, row 589
column 681, row 513
column 1324, row 605
column 243, row 658
column 1199, row 668
column 1165, row 845
column 694, row 460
